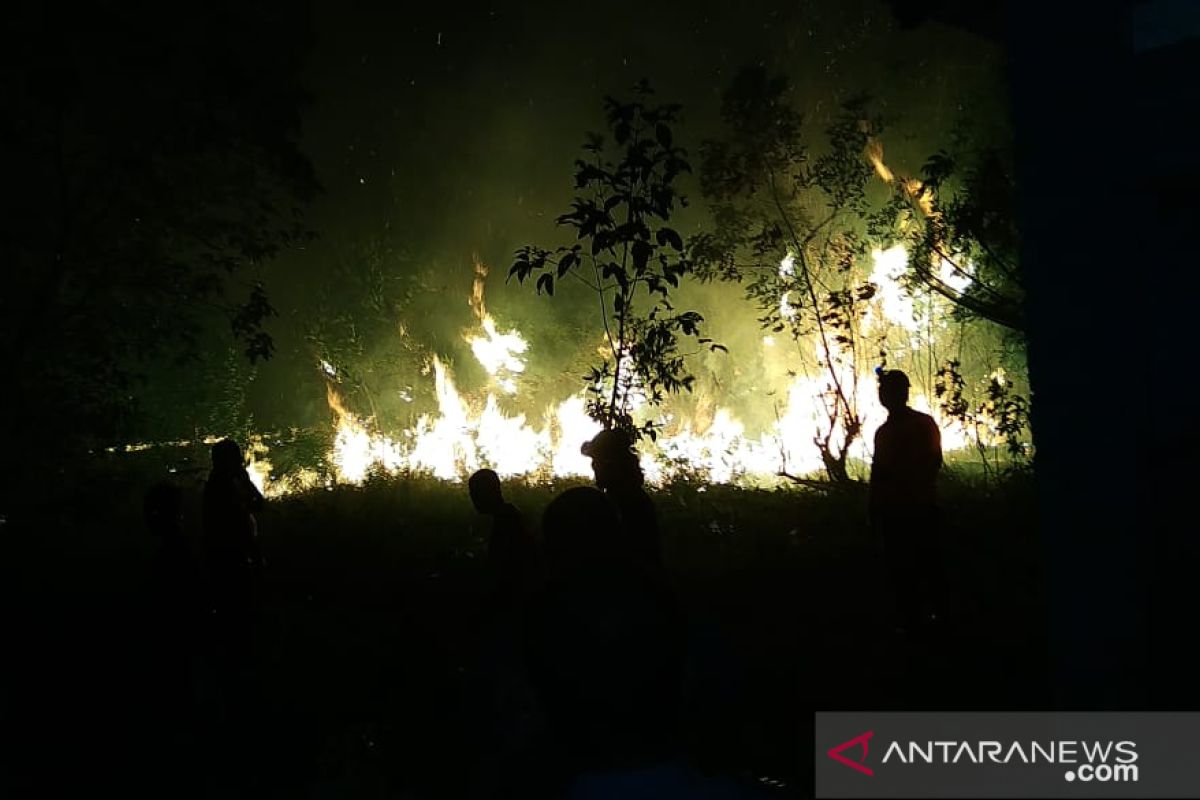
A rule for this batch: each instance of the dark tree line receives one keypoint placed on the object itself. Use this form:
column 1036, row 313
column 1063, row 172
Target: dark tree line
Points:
column 151, row 163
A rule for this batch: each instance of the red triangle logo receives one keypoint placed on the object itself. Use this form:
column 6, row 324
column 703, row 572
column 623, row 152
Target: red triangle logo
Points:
column 861, row 740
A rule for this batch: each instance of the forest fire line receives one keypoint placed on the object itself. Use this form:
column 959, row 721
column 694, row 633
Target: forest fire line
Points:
column 474, row 431
column 470, row 432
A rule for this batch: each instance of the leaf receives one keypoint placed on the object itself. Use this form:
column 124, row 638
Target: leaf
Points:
column 566, row 262
column 641, row 252
column 546, row 282
column 669, row 236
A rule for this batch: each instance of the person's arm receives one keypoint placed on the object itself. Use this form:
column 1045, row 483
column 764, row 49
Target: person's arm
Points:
column 935, row 448
column 878, row 475
column 254, row 498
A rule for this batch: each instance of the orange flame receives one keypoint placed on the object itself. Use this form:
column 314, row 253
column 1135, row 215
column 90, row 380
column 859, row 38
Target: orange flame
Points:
column 915, row 190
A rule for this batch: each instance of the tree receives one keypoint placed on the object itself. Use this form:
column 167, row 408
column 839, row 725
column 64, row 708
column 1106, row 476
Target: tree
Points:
column 359, row 333
column 630, row 257
column 958, row 223
column 153, row 163
column 1001, row 415
column 788, row 226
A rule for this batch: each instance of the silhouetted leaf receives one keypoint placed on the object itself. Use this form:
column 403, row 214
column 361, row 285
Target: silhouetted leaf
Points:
column 566, row 262
column 670, row 236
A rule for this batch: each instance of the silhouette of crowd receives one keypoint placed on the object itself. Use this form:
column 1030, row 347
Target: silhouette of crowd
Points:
column 579, row 687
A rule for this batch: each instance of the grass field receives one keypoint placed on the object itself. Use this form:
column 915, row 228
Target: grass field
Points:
column 366, row 637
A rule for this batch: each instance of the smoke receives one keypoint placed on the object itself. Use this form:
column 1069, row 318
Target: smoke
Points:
column 442, row 139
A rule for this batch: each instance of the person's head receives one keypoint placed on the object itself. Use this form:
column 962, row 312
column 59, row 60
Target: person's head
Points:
column 893, row 389
column 614, row 461
column 162, row 508
column 484, row 488
column 227, row 456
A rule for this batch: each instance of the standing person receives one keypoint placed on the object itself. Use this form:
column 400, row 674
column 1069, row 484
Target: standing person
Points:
column 512, row 556
column 231, row 547
column 233, row 561
column 903, row 501
column 619, row 475
column 230, row 528
column 500, row 711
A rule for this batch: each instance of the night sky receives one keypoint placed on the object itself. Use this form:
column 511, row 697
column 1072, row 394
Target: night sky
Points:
column 437, row 133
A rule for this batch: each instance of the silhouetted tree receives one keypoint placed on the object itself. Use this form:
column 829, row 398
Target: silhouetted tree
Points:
column 789, row 227
column 958, row 224
column 359, row 336
column 627, row 254
column 1000, row 415
column 152, row 163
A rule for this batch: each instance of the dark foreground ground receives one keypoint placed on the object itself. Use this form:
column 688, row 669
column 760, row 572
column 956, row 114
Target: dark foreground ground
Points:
column 366, row 650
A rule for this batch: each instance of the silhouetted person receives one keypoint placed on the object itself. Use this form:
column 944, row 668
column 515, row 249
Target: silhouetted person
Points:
column 233, row 560
column 606, row 647
column 619, row 475
column 230, row 539
column 499, row 706
column 512, row 553
column 903, row 500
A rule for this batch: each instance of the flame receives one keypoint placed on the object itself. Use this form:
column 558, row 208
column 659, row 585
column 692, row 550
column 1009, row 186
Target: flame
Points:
column 875, row 156
column 895, row 305
column 915, row 190
column 498, row 353
column 787, row 268
column 713, row 444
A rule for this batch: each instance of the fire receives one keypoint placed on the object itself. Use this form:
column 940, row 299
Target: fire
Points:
column 354, row 449
column 875, row 156
column 915, row 190
column 787, row 268
column 473, row 431
column 498, row 353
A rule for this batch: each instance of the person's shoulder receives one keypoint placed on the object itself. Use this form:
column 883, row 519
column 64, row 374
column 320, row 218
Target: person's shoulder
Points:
column 921, row 418
column 646, row 502
column 510, row 514
column 931, row 424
